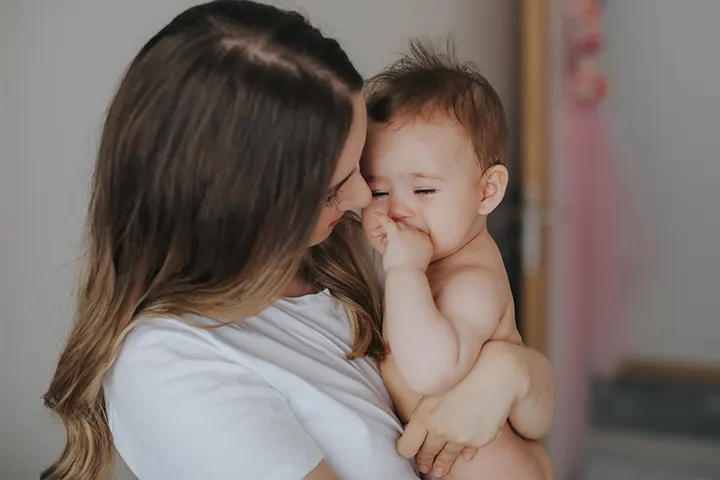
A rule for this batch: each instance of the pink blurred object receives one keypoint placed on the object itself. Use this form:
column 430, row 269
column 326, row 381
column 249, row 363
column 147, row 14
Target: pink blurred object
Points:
column 587, row 86
column 585, row 42
column 592, row 308
column 593, row 239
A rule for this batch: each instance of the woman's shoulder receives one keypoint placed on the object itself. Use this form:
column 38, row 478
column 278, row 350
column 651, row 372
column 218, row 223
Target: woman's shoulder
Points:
column 165, row 335
column 159, row 349
column 156, row 349
column 156, row 346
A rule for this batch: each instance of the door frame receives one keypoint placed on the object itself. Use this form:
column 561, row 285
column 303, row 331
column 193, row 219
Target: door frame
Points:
column 535, row 165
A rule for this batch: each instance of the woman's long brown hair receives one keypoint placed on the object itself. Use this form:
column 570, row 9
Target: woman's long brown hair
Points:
column 213, row 165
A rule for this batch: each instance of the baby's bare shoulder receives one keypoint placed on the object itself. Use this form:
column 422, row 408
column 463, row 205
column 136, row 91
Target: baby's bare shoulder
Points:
column 470, row 279
column 471, row 288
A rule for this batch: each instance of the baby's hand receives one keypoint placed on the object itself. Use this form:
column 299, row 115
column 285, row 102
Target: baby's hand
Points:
column 403, row 246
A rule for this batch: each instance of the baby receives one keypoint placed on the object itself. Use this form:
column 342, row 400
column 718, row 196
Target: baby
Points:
column 436, row 139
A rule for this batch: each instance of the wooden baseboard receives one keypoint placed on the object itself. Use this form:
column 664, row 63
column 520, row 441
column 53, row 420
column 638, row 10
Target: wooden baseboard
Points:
column 668, row 370
column 655, row 449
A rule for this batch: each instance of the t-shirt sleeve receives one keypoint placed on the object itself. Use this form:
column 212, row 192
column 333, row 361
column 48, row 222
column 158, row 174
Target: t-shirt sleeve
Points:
column 179, row 409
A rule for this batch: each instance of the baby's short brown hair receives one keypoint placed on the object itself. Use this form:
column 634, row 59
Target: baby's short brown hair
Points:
column 426, row 82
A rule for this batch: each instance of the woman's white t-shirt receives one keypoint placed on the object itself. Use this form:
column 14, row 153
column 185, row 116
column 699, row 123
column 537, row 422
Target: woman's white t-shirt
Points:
column 264, row 399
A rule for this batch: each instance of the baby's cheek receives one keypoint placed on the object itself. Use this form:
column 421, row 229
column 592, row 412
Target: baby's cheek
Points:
column 447, row 232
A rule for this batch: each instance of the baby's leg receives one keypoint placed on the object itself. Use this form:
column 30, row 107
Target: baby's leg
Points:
column 507, row 458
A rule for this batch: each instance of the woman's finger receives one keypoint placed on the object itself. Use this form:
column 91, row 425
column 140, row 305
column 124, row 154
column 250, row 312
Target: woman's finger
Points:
column 446, row 459
column 430, row 449
column 411, row 440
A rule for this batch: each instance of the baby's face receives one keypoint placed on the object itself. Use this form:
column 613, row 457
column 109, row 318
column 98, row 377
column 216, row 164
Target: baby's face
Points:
column 427, row 176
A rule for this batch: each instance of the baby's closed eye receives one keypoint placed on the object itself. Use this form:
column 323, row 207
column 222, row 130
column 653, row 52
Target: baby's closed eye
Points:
column 417, row 191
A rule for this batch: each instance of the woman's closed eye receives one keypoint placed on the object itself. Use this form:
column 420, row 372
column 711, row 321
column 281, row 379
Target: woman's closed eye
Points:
column 333, row 199
column 379, row 194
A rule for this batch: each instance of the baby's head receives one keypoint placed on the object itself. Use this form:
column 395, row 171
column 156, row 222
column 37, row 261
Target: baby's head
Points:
column 437, row 137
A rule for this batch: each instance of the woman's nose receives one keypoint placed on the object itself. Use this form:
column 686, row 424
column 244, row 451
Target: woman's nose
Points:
column 358, row 194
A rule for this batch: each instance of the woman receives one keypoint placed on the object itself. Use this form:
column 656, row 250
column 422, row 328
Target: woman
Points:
column 228, row 322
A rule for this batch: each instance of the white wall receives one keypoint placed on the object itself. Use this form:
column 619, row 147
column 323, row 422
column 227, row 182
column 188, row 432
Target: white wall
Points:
column 59, row 63
column 663, row 59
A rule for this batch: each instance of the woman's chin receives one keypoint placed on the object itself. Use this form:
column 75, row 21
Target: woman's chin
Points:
column 318, row 238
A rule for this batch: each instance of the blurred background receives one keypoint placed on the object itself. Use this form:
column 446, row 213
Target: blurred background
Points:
column 631, row 227
column 610, row 230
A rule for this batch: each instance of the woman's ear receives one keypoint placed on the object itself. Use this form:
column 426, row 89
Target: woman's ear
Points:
column 494, row 184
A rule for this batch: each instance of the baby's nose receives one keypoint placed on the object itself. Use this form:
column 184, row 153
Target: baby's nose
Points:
column 399, row 211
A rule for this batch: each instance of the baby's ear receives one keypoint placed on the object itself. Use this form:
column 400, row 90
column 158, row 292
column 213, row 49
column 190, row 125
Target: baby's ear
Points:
column 494, row 185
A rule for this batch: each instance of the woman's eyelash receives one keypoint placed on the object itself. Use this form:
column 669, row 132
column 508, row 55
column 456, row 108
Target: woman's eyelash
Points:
column 379, row 194
column 333, row 199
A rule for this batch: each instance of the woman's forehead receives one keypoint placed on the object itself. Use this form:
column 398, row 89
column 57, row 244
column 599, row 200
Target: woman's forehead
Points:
column 350, row 156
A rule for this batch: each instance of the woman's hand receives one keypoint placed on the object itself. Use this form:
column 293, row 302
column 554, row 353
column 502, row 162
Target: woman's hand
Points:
column 468, row 416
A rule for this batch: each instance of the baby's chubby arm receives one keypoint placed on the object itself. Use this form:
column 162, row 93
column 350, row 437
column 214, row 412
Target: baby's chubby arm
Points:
column 434, row 345
column 533, row 411
column 436, row 341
